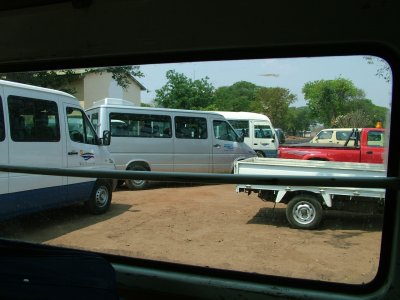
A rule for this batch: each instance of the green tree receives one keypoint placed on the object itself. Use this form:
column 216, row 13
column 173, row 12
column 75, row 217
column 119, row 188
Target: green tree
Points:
column 185, row 93
column 146, row 104
column 384, row 71
column 237, row 97
column 353, row 119
column 298, row 118
column 273, row 102
column 61, row 79
column 372, row 113
column 327, row 99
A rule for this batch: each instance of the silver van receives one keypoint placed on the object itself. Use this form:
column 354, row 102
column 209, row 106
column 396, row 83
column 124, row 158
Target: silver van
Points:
column 167, row 140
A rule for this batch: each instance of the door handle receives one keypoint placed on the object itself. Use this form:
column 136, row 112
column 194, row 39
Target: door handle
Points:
column 217, row 146
column 255, row 144
column 73, row 152
column 370, row 152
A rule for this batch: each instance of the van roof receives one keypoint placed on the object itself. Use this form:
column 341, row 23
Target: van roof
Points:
column 243, row 115
column 120, row 103
column 35, row 88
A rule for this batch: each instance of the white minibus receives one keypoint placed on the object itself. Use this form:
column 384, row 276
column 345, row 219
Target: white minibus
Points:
column 46, row 128
column 167, row 140
column 257, row 131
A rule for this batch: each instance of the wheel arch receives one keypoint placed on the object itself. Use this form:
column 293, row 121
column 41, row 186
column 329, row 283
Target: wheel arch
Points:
column 141, row 163
column 290, row 195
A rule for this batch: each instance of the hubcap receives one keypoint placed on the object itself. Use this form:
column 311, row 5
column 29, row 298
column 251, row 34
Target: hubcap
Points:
column 304, row 212
column 101, row 196
column 137, row 182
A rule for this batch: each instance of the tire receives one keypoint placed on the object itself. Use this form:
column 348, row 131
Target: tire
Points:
column 100, row 199
column 260, row 153
column 134, row 184
column 304, row 212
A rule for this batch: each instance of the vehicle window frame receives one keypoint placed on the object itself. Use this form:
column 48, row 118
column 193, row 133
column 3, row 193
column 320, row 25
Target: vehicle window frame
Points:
column 38, row 118
column 86, row 126
column 190, row 128
column 2, row 122
column 145, row 126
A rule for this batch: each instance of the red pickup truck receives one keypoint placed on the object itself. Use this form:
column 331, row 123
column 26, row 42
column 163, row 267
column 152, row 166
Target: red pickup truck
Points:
column 368, row 148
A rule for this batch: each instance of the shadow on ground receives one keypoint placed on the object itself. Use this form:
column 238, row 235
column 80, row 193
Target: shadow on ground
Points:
column 165, row 184
column 335, row 220
column 35, row 227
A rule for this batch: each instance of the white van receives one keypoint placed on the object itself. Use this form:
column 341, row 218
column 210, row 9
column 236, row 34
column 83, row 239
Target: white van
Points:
column 167, row 140
column 257, row 131
column 46, row 128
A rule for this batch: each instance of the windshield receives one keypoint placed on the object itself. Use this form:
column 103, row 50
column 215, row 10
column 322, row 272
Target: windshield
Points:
column 263, row 131
column 314, row 232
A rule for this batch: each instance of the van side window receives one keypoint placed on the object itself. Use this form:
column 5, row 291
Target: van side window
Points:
column 2, row 128
column 140, row 125
column 190, row 128
column 33, row 120
column 223, row 131
column 241, row 127
column 79, row 127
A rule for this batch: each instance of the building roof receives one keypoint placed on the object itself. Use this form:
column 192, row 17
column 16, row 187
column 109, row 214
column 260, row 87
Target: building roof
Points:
column 84, row 71
column 142, row 88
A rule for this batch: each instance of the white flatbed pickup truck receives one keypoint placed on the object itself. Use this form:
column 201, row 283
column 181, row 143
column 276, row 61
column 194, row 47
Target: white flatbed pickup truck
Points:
column 305, row 204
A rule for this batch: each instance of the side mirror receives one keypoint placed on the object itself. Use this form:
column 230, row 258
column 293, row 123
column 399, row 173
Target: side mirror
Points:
column 241, row 139
column 106, row 140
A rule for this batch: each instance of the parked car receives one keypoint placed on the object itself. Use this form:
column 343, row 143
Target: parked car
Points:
column 367, row 147
column 281, row 135
column 334, row 135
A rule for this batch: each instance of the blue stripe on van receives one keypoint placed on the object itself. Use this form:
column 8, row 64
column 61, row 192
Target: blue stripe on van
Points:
column 19, row 203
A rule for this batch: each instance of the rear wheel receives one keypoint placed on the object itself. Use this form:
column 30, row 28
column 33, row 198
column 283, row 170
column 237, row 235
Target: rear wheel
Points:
column 100, row 199
column 304, row 212
column 137, row 184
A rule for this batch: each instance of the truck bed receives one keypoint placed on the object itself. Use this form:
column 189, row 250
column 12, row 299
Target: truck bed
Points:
column 299, row 167
column 304, row 168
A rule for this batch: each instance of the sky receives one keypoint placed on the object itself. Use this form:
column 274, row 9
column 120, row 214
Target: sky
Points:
column 290, row 73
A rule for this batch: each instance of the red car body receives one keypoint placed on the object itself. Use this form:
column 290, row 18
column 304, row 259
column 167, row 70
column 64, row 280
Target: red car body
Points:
column 369, row 148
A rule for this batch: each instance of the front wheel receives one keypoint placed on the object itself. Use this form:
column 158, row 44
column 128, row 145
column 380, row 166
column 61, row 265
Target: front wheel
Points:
column 137, row 184
column 304, row 212
column 100, row 199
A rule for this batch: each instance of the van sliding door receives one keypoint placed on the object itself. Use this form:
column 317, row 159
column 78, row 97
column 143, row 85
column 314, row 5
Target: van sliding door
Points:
column 34, row 141
column 192, row 145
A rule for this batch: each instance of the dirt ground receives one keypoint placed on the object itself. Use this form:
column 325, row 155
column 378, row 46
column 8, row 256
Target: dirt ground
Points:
column 212, row 226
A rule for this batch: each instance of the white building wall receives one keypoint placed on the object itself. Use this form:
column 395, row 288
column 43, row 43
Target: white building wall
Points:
column 132, row 94
column 99, row 86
